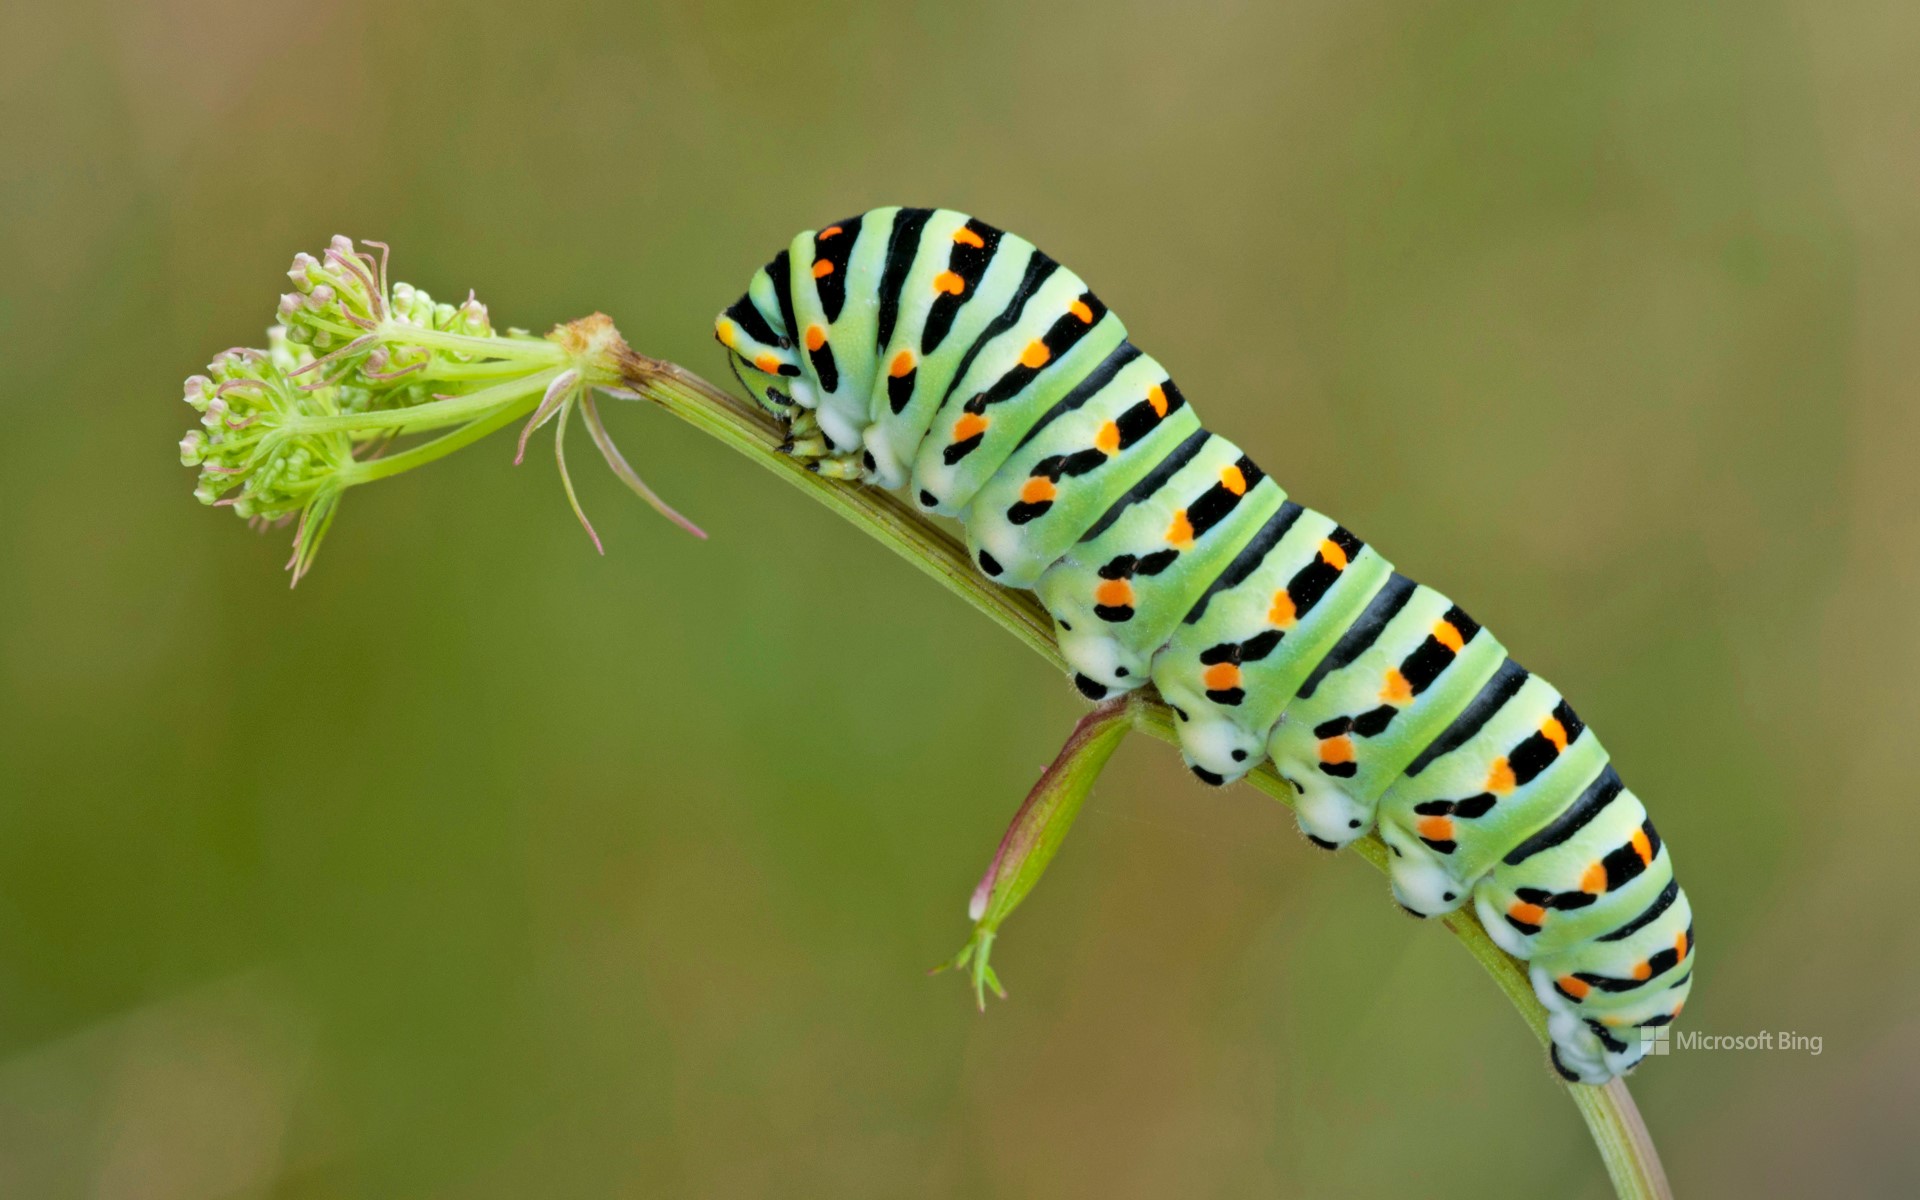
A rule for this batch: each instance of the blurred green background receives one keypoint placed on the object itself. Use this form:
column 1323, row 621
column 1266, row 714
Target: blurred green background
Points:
column 481, row 866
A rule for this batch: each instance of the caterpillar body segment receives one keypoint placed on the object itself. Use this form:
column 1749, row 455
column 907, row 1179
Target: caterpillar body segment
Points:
column 1397, row 676
column 1118, row 594
column 1098, row 440
column 1248, row 643
column 923, row 350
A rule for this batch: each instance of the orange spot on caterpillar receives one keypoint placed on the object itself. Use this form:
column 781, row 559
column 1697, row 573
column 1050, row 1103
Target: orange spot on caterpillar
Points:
column 1572, row 987
column 1157, row 396
column 1500, row 778
column 1113, row 593
column 1221, row 677
column 1643, row 971
column 1396, row 690
column 1337, row 750
column 967, row 237
column 832, row 231
column 1180, row 533
column 1643, row 847
column 1335, row 556
column 1527, row 914
column 1108, row 439
column 1437, row 829
column 1680, row 945
column 822, row 267
column 816, row 337
column 1233, row 479
column 968, row 425
column 724, row 330
column 767, row 363
column 1038, row 490
column 1555, row 732
column 1447, row 635
column 1079, row 309
column 902, row 363
column 1283, row 612
column 1594, row 880
column 950, row 283
column 1035, row 356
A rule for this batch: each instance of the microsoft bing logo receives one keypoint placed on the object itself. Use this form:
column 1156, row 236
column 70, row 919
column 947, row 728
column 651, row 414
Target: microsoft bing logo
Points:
column 1660, row 1039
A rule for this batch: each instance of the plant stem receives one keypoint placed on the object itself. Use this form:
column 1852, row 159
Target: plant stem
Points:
column 1611, row 1116
column 530, row 349
column 1035, row 835
column 419, row 456
column 435, row 414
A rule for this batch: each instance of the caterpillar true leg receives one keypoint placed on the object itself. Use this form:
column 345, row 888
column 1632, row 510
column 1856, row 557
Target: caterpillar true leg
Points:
column 925, row 350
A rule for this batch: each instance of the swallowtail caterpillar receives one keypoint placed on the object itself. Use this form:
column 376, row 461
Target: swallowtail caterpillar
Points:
column 923, row 350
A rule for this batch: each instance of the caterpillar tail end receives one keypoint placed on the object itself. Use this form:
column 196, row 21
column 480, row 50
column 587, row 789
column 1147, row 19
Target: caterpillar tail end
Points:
column 1594, row 1047
column 1579, row 1055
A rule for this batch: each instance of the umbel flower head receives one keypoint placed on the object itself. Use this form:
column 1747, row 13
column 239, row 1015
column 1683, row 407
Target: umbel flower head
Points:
column 354, row 362
column 252, row 453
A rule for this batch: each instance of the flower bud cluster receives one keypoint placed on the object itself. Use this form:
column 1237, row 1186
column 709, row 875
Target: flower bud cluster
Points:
column 415, row 307
column 337, row 297
column 343, row 297
column 250, row 457
column 270, row 443
column 356, row 361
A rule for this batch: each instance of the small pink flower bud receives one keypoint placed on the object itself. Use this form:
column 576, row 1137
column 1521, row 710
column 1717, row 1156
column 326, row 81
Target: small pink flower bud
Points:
column 305, row 267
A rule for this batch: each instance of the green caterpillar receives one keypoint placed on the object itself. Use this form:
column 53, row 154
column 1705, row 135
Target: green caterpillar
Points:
column 921, row 349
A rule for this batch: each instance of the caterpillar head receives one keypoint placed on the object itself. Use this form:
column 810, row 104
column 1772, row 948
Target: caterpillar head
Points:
column 763, row 361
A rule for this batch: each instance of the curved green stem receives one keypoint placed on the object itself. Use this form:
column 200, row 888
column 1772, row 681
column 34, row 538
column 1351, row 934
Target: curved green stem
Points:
column 511, row 410
column 1612, row 1119
column 435, row 414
